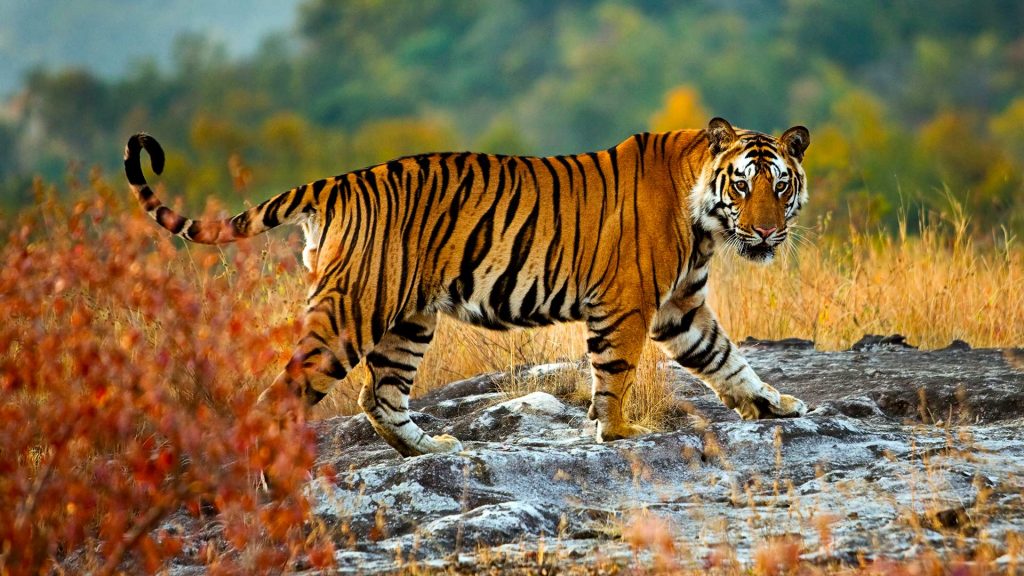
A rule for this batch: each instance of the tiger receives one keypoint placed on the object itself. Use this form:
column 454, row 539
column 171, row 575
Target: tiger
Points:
column 620, row 239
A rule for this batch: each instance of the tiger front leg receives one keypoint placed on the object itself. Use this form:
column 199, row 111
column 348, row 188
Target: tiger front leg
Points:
column 692, row 336
column 615, row 342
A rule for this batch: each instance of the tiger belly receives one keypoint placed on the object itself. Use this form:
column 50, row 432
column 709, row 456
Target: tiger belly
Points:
column 525, row 305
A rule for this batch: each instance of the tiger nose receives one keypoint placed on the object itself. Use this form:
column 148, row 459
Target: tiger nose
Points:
column 765, row 232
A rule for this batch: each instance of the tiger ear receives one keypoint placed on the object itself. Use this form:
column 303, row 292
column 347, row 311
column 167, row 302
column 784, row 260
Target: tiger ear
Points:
column 720, row 135
column 796, row 140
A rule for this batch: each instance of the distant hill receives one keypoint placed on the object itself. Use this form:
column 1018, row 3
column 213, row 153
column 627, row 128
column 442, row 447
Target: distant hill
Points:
column 107, row 36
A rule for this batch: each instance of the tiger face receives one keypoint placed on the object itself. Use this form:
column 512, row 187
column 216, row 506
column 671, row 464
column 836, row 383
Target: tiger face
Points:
column 754, row 188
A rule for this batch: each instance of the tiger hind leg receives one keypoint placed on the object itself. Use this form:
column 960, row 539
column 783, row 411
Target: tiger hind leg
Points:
column 615, row 342
column 385, row 398
column 313, row 369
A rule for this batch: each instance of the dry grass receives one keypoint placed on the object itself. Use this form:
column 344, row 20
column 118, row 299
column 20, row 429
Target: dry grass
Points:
column 933, row 287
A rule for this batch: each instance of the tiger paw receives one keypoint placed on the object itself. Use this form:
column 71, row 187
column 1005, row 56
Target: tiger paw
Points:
column 442, row 444
column 608, row 434
column 772, row 405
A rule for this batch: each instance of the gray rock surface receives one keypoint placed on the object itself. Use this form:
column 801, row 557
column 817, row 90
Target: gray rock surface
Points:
column 903, row 451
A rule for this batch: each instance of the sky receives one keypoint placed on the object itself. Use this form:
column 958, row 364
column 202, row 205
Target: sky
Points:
column 110, row 36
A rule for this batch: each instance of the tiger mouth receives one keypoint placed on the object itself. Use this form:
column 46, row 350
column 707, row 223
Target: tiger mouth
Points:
column 760, row 252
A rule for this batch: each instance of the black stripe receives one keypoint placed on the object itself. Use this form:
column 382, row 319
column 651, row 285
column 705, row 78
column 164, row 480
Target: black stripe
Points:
column 146, row 195
column 386, row 403
column 666, row 333
column 641, row 141
column 613, row 157
column 378, row 322
column 691, row 349
column 558, row 300
column 514, row 196
column 734, row 373
column 613, row 367
column 164, row 213
column 331, row 316
column 312, row 395
column 403, row 385
column 382, row 361
column 595, row 158
column 522, row 246
column 412, row 332
column 721, row 362
column 297, row 195
column 695, row 287
column 334, row 367
column 607, row 329
column 478, row 243
column 272, row 208
column 694, row 359
column 418, row 353
column 555, row 243
column 597, row 344
column 529, row 305
column 317, row 337
column 241, row 224
column 351, row 354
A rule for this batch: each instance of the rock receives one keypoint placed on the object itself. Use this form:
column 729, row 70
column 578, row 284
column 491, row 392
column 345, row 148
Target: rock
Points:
column 794, row 343
column 874, row 341
column 866, row 474
column 956, row 345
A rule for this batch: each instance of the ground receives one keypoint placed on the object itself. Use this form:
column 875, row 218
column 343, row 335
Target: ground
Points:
column 904, row 452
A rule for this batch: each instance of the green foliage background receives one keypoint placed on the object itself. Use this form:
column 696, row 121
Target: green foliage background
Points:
column 913, row 106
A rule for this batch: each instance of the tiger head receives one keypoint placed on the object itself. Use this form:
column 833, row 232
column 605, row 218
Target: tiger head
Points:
column 753, row 189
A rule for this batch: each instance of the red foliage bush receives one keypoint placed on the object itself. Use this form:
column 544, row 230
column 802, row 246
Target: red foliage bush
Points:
column 129, row 371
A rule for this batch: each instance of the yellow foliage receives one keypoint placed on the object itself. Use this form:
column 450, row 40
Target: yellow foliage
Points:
column 286, row 131
column 682, row 109
column 503, row 137
column 1008, row 127
column 946, row 134
column 831, row 151
column 383, row 140
column 209, row 134
column 862, row 118
column 969, row 161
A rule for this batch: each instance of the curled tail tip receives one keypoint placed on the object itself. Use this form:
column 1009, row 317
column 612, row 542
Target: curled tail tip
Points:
column 132, row 162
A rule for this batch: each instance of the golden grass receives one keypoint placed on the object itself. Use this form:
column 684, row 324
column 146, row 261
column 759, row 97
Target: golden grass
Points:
column 932, row 287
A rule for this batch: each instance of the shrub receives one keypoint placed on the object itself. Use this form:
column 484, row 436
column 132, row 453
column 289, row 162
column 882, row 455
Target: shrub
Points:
column 127, row 371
